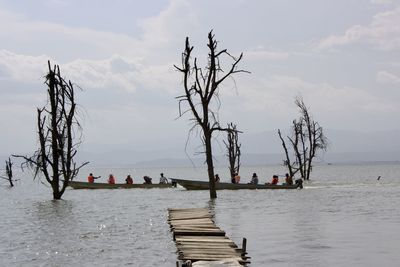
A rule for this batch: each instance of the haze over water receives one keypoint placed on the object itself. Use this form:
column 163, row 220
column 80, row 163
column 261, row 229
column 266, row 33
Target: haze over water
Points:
column 343, row 217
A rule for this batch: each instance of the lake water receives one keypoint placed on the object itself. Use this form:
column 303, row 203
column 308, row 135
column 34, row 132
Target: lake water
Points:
column 343, row 217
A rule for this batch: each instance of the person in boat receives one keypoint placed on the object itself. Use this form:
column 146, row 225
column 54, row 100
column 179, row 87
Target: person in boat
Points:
column 275, row 180
column 91, row 178
column 217, row 178
column 147, row 179
column 288, row 179
column 111, row 179
column 129, row 179
column 254, row 179
column 237, row 178
column 163, row 180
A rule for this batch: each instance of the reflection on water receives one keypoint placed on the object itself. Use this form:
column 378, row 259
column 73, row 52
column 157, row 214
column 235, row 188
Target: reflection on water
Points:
column 334, row 221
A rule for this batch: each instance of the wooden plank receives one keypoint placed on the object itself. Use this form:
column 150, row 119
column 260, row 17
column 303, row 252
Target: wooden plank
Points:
column 208, row 240
column 203, row 239
column 193, row 229
column 205, row 244
column 210, row 252
column 227, row 248
column 199, row 233
column 186, row 209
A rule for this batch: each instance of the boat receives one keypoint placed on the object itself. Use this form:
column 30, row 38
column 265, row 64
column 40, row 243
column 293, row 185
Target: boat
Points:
column 86, row 185
column 204, row 185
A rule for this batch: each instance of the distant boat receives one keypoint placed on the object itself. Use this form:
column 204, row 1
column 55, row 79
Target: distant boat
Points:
column 203, row 185
column 86, row 185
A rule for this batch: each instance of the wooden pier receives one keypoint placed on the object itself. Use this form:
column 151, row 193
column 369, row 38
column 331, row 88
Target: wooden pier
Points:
column 201, row 243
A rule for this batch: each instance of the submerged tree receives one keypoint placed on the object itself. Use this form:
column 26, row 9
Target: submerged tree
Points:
column 233, row 149
column 59, row 134
column 307, row 138
column 201, row 86
column 9, row 172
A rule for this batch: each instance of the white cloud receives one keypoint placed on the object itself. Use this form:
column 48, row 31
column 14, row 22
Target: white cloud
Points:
column 115, row 72
column 383, row 32
column 22, row 67
column 63, row 42
column 381, row 2
column 385, row 77
column 276, row 94
column 263, row 54
column 170, row 25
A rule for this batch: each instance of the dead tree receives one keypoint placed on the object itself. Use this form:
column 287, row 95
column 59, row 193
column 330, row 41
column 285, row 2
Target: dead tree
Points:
column 59, row 134
column 201, row 88
column 286, row 162
column 9, row 172
column 307, row 138
column 233, row 149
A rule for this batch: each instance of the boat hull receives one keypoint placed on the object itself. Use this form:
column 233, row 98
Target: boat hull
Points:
column 86, row 185
column 203, row 185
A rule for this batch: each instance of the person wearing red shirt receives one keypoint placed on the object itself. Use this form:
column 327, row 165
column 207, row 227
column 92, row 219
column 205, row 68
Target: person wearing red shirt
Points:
column 274, row 181
column 91, row 178
column 129, row 179
column 111, row 179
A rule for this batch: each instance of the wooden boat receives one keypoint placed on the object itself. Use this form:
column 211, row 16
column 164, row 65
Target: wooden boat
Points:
column 204, row 185
column 86, row 185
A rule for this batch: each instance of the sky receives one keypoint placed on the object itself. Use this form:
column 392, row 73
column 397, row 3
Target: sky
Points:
column 341, row 56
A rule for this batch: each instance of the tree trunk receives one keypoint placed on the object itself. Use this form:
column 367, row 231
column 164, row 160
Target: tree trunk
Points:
column 210, row 163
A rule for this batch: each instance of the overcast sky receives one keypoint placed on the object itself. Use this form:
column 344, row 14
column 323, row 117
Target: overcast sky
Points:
column 342, row 56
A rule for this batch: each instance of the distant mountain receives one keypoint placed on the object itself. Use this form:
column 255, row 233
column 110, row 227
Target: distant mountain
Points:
column 257, row 149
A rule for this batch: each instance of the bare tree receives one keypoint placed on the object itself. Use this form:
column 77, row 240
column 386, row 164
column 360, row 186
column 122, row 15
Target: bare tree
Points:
column 233, row 149
column 9, row 172
column 201, row 88
column 307, row 138
column 59, row 134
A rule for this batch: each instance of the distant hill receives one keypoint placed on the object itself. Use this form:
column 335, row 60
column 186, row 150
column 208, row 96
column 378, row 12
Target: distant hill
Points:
column 257, row 148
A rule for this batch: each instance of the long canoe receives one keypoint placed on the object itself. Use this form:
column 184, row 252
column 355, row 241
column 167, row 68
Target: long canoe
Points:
column 86, row 185
column 202, row 185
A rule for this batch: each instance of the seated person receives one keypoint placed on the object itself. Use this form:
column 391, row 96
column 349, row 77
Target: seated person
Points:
column 217, row 178
column 111, row 179
column 288, row 179
column 147, row 179
column 274, row 181
column 237, row 178
column 254, row 179
column 91, row 178
column 163, row 180
column 129, row 179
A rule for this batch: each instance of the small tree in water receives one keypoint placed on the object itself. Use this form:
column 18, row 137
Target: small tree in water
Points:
column 59, row 134
column 233, row 149
column 9, row 172
column 201, row 88
column 307, row 138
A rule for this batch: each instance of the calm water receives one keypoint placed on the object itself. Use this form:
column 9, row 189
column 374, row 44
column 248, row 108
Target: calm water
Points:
column 344, row 217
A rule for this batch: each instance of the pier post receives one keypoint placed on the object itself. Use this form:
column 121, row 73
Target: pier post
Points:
column 244, row 246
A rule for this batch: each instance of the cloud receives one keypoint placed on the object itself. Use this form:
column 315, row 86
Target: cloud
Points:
column 385, row 77
column 63, row 42
column 115, row 73
column 383, row 33
column 263, row 54
column 22, row 67
column 276, row 94
column 381, row 2
column 177, row 20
